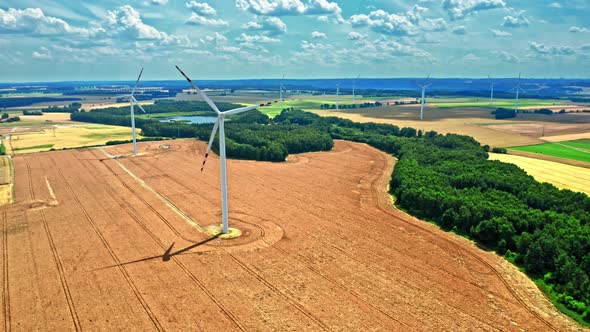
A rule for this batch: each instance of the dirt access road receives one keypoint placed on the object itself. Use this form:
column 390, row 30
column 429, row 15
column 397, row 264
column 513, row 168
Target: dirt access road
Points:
column 89, row 247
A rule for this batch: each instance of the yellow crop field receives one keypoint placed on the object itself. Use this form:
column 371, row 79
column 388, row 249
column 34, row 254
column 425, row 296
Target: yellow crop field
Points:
column 561, row 175
column 5, row 181
column 70, row 136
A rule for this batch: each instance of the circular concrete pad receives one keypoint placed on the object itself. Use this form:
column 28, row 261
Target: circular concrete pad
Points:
column 214, row 230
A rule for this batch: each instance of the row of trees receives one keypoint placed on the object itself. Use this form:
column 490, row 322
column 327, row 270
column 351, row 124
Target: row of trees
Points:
column 352, row 106
column 72, row 108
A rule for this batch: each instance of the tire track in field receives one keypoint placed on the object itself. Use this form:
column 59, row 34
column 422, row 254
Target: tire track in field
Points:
column 105, row 243
column 56, row 259
column 270, row 286
column 263, row 281
column 159, row 242
column 6, row 285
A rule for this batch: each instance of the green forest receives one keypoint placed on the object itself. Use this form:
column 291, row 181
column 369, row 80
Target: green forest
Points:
column 446, row 179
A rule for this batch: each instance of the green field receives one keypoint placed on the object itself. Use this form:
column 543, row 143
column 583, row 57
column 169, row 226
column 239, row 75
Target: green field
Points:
column 173, row 114
column 565, row 150
column 42, row 146
column 579, row 144
column 275, row 109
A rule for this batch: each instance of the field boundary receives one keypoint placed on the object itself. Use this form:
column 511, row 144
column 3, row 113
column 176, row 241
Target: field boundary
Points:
column 540, row 156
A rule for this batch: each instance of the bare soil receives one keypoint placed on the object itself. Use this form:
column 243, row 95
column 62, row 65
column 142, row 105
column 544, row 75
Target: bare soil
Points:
column 88, row 246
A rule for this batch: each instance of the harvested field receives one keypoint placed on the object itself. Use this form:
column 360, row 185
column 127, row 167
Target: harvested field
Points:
column 5, row 180
column 54, row 117
column 456, row 124
column 322, row 249
column 562, row 176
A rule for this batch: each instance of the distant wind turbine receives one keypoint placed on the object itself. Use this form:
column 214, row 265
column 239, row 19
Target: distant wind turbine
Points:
column 132, row 102
column 518, row 89
column 281, row 88
column 219, row 124
column 491, row 90
column 354, row 87
column 423, row 86
column 337, row 96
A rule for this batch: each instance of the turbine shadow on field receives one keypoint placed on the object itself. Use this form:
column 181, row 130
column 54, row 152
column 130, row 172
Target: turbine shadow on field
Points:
column 168, row 254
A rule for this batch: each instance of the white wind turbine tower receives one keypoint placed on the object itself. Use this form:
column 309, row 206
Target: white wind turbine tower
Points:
column 337, row 96
column 491, row 90
column 281, row 88
column 354, row 87
column 423, row 86
column 132, row 102
column 219, row 124
column 518, row 89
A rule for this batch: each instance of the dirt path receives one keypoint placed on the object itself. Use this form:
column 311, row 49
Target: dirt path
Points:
column 322, row 249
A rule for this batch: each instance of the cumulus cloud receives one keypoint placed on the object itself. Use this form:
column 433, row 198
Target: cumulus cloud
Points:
column 255, row 42
column 203, row 9
column 555, row 5
column 356, row 36
column 33, row 21
column 197, row 19
column 500, row 33
column 290, row 7
column 458, row 9
column 576, row 29
column 318, row 35
column 520, row 20
column 270, row 25
column 507, row 57
column 401, row 24
column 126, row 21
column 471, row 57
column 159, row 2
column 460, row 30
column 203, row 14
column 42, row 54
column 551, row 50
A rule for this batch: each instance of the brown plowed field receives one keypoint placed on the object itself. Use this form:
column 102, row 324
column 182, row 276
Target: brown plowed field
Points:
column 87, row 246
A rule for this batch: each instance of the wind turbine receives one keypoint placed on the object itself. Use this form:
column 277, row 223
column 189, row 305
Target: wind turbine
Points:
column 219, row 124
column 518, row 88
column 281, row 88
column 491, row 90
column 132, row 102
column 337, row 96
column 354, row 88
column 423, row 86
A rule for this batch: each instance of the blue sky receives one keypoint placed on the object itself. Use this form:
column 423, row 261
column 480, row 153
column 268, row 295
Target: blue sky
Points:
column 224, row 39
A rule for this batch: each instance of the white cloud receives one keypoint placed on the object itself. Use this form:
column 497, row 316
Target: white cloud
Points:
column 507, row 57
column 270, row 25
column 197, row 19
column 254, row 41
column 318, row 35
column 458, row 9
column 460, row 30
column 159, row 2
column 203, row 9
column 33, row 21
column 42, row 54
column 520, row 20
column 500, row 33
column 400, row 24
column 356, row 36
column 555, row 5
column 290, row 7
column 471, row 57
column 575, row 29
column 126, row 22
column 553, row 50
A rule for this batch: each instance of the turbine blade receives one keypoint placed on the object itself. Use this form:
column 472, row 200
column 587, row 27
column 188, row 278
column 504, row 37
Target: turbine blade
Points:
column 137, row 82
column 213, row 133
column 137, row 103
column 241, row 110
column 205, row 97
